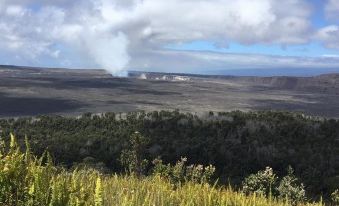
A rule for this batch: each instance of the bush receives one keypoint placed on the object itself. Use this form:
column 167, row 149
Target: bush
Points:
column 181, row 173
column 266, row 183
column 335, row 197
column 291, row 189
column 260, row 183
column 161, row 169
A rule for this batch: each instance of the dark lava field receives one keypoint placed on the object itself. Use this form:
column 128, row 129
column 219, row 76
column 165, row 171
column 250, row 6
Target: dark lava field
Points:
column 26, row 91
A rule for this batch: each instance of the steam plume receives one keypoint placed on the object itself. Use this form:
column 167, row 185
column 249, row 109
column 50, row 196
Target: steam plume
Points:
column 109, row 51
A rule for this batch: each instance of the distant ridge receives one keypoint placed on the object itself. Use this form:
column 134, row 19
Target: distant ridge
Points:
column 48, row 68
column 26, row 71
column 157, row 74
column 328, row 83
column 216, row 74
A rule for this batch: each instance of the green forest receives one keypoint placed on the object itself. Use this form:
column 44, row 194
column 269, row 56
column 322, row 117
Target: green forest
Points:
column 245, row 150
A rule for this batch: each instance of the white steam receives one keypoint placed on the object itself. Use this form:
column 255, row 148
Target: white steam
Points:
column 85, row 31
column 109, row 51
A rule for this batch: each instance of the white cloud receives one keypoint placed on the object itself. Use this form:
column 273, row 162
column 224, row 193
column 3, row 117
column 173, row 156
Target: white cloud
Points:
column 111, row 32
column 257, row 21
column 15, row 10
column 33, row 34
column 329, row 36
column 332, row 9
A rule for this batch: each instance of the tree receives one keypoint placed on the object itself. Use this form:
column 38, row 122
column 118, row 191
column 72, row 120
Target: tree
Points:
column 133, row 157
column 290, row 188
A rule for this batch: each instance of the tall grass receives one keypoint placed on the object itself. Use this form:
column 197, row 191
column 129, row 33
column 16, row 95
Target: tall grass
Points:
column 28, row 180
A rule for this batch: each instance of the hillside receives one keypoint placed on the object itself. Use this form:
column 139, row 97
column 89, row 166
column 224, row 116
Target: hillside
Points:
column 236, row 143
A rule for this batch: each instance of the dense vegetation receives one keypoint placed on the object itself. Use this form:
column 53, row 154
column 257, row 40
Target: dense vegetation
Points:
column 236, row 143
column 26, row 180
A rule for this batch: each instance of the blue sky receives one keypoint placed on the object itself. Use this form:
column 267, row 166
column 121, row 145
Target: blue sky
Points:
column 312, row 49
column 195, row 36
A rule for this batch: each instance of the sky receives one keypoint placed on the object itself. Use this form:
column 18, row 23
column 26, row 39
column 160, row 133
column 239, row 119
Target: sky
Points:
column 181, row 36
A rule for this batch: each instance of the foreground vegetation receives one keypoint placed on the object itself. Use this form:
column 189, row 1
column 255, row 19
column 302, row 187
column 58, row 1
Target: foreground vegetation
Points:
column 237, row 144
column 27, row 180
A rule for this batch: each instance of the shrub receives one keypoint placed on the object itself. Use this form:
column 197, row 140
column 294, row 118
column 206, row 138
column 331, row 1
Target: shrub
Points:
column 260, row 183
column 178, row 170
column 335, row 197
column 266, row 183
column 291, row 189
column 181, row 173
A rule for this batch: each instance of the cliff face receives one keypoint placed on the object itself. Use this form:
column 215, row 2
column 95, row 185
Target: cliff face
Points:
column 328, row 83
column 36, row 72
